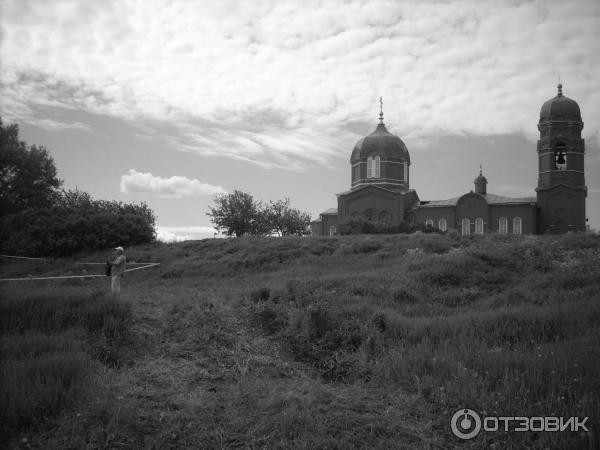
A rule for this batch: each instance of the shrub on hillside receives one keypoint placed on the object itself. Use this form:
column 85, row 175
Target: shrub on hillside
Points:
column 361, row 225
column 75, row 223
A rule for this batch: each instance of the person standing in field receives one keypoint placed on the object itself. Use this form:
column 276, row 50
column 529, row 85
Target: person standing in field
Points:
column 117, row 268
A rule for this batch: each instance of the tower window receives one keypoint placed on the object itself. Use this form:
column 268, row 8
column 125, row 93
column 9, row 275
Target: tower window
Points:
column 560, row 156
column 443, row 224
column 479, row 225
column 373, row 167
column 517, row 225
column 466, row 227
column 503, row 225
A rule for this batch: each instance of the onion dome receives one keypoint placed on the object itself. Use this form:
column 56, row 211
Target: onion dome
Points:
column 382, row 143
column 480, row 183
column 560, row 108
column 480, row 178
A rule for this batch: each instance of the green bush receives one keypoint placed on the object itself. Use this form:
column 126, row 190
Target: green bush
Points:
column 74, row 223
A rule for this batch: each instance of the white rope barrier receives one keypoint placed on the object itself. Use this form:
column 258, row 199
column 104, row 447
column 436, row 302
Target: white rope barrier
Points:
column 143, row 267
column 22, row 257
column 103, row 263
column 74, row 276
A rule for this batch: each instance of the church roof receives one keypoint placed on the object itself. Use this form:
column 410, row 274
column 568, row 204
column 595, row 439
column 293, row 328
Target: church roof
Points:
column 382, row 142
column 374, row 186
column 560, row 108
column 492, row 199
column 330, row 211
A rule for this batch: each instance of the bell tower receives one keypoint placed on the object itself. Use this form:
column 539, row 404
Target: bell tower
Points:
column 561, row 190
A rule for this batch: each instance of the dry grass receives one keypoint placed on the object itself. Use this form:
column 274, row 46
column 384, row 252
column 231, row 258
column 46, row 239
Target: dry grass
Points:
column 349, row 342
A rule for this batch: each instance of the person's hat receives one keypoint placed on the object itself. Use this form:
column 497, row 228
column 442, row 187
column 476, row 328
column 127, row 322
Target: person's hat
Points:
column 119, row 249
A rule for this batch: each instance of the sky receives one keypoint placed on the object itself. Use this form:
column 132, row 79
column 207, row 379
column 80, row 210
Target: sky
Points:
column 170, row 102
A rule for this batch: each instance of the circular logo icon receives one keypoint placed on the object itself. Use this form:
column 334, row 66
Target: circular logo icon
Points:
column 465, row 424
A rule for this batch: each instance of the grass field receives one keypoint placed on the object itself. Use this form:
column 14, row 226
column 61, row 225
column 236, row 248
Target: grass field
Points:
column 345, row 342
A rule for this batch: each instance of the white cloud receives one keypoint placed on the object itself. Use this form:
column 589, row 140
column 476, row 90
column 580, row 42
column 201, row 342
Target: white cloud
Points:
column 179, row 234
column 274, row 83
column 136, row 182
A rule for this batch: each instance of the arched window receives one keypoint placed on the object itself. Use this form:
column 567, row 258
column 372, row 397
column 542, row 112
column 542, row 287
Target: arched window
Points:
column 429, row 223
column 517, row 225
column 368, row 214
column 385, row 216
column 443, row 225
column 373, row 167
column 560, row 156
column 479, row 225
column 503, row 225
column 466, row 227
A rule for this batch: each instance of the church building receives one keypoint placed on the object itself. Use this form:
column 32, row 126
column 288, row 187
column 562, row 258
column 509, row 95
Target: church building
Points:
column 380, row 187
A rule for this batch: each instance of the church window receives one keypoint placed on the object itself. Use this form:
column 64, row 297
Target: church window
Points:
column 385, row 216
column 517, row 225
column 503, row 225
column 368, row 214
column 429, row 223
column 405, row 171
column 560, row 156
column 479, row 225
column 356, row 173
column 332, row 230
column 443, row 224
column 373, row 167
column 466, row 227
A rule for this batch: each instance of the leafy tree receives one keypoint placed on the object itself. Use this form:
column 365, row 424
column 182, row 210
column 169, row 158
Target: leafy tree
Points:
column 285, row 221
column 37, row 219
column 27, row 173
column 237, row 213
column 74, row 223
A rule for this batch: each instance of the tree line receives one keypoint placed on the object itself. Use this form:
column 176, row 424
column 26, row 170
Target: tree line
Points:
column 39, row 218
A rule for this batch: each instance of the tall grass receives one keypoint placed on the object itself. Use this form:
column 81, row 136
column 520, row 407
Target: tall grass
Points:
column 343, row 342
column 49, row 340
column 501, row 325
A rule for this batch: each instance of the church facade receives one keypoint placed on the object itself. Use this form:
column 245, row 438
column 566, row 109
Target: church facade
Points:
column 380, row 187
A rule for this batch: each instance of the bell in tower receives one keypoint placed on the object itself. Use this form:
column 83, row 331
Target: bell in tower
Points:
column 561, row 190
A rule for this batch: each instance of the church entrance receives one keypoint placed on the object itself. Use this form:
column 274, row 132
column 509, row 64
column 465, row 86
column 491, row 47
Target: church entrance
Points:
column 560, row 227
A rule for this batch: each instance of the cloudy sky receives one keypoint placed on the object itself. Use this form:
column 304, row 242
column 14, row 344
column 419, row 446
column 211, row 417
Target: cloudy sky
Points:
column 171, row 102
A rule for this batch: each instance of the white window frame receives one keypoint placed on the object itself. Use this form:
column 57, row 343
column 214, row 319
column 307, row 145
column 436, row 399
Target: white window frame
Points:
column 443, row 225
column 517, row 225
column 373, row 167
column 503, row 225
column 479, row 225
column 465, row 226
column 429, row 223
column 332, row 230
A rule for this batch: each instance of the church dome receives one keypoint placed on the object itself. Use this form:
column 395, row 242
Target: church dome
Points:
column 560, row 108
column 382, row 143
column 480, row 179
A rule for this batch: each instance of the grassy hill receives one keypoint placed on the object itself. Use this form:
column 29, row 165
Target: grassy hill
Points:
column 345, row 342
